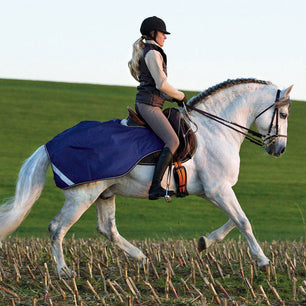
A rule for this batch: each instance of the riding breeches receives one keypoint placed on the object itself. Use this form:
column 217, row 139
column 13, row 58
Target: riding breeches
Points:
column 160, row 125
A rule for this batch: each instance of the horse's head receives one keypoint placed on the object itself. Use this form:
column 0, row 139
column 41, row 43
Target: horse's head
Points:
column 272, row 122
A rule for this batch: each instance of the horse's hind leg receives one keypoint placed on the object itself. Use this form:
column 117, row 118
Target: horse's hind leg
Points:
column 217, row 235
column 107, row 226
column 59, row 226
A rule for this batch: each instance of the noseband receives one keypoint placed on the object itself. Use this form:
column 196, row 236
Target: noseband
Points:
column 255, row 137
column 269, row 139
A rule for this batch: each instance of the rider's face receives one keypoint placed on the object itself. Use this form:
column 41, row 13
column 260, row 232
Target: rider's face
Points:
column 160, row 38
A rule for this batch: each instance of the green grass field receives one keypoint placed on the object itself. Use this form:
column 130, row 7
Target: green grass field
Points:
column 270, row 190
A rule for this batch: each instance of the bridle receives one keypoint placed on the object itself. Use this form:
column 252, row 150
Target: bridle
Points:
column 249, row 134
column 269, row 139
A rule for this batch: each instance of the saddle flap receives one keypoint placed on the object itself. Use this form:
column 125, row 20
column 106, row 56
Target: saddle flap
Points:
column 186, row 136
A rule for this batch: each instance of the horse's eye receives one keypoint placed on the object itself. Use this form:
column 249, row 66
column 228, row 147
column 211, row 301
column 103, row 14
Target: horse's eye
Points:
column 283, row 115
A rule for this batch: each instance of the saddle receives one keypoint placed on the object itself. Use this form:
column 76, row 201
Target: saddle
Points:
column 185, row 151
column 186, row 136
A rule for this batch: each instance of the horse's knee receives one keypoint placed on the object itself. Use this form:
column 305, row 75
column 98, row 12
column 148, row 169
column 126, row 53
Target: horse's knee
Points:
column 245, row 225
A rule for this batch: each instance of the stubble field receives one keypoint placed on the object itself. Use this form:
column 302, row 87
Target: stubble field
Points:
column 175, row 274
column 271, row 192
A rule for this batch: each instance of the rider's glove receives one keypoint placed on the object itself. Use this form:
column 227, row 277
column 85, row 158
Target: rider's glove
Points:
column 181, row 102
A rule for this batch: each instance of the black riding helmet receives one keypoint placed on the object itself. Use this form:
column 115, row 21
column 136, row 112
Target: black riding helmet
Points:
column 153, row 24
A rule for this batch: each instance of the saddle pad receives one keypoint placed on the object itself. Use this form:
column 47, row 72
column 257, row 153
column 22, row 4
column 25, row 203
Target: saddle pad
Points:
column 94, row 150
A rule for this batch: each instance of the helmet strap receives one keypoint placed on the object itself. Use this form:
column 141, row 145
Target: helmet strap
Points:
column 154, row 36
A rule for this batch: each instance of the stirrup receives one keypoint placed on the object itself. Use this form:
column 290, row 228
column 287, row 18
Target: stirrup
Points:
column 159, row 192
column 167, row 196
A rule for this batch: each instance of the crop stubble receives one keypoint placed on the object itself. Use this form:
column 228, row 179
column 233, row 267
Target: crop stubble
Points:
column 175, row 273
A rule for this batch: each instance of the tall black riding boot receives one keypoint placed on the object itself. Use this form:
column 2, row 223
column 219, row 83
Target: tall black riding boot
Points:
column 156, row 191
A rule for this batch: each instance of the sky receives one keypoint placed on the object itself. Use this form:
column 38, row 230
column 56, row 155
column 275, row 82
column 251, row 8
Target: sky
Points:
column 211, row 41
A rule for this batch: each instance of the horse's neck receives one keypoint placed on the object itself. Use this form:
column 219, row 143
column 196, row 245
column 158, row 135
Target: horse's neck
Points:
column 239, row 105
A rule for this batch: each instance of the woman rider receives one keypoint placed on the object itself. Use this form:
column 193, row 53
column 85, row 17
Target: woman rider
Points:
column 149, row 67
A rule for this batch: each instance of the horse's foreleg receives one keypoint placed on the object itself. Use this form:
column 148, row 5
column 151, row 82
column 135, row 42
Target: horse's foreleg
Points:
column 107, row 226
column 225, row 199
column 217, row 235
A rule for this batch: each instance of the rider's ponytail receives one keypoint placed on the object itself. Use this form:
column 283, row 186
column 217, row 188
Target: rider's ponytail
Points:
column 133, row 64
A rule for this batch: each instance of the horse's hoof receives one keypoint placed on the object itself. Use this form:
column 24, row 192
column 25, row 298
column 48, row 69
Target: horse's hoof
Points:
column 202, row 244
column 65, row 272
column 263, row 264
column 143, row 262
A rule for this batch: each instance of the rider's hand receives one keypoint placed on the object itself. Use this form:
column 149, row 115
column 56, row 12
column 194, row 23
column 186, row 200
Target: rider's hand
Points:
column 181, row 102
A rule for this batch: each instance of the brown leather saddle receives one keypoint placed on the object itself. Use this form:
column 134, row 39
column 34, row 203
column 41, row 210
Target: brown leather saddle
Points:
column 186, row 136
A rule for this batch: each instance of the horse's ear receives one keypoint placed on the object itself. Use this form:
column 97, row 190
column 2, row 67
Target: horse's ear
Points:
column 287, row 91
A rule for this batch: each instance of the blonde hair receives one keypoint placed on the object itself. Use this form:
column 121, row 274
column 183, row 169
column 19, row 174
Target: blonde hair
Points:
column 133, row 64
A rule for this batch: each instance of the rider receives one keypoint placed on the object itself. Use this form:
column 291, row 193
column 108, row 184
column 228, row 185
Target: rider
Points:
column 149, row 67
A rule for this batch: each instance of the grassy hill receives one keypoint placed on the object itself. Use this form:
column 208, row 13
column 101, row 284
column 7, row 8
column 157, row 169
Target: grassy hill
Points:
column 271, row 191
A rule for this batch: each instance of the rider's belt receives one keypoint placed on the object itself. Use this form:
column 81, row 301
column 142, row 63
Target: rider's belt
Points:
column 180, row 177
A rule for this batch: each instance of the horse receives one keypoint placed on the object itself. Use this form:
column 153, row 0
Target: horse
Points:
column 221, row 114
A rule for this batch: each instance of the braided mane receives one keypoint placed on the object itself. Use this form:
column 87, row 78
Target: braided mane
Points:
column 194, row 101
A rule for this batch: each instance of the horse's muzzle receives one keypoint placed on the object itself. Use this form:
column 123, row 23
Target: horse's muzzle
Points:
column 275, row 149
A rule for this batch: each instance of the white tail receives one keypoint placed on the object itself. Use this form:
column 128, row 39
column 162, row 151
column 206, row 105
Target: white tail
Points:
column 31, row 181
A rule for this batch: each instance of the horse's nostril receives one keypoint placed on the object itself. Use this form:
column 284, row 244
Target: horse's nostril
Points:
column 283, row 150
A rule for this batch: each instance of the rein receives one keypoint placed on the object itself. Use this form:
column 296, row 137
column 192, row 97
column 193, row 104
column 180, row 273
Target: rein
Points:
column 255, row 137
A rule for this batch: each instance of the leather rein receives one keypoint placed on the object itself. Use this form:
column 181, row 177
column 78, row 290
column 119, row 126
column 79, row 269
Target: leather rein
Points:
column 253, row 136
